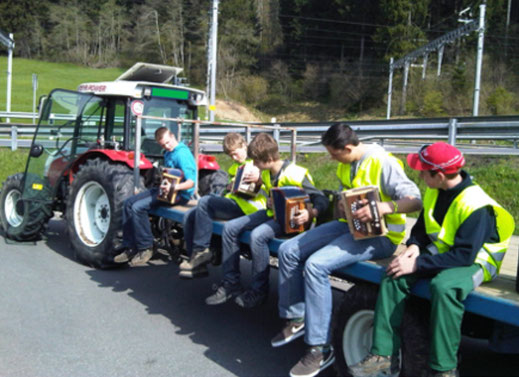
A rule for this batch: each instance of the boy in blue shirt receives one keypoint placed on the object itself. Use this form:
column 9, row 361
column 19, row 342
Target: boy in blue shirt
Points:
column 137, row 242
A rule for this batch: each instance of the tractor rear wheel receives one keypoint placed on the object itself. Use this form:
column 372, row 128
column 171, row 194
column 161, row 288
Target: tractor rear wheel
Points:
column 23, row 220
column 94, row 210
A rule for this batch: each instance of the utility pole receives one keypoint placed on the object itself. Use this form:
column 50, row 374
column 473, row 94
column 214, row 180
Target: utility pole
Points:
column 9, row 43
column 212, row 59
column 479, row 60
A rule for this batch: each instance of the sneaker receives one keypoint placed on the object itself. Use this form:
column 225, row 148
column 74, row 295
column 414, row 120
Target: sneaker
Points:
column 197, row 258
column 250, row 299
column 375, row 365
column 123, row 257
column 199, row 272
column 313, row 362
column 224, row 292
column 141, row 258
column 448, row 373
column 292, row 330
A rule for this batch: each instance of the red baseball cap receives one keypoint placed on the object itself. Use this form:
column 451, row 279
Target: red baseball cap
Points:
column 438, row 156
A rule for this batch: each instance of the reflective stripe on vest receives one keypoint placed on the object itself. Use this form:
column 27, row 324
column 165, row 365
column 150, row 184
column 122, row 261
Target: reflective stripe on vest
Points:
column 491, row 255
column 292, row 175
column 248, row 206
column 369, row 173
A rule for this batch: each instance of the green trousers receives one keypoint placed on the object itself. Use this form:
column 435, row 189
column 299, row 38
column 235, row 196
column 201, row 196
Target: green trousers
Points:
column 448, row 290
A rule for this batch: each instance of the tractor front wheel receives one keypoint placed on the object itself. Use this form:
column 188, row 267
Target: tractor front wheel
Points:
column 94, row 209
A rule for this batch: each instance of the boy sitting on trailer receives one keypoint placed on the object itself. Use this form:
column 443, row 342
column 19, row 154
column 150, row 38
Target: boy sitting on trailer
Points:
column 275, row 173
column 459, row 242
column 137, row 245
column 306, row 261
column 198, row 222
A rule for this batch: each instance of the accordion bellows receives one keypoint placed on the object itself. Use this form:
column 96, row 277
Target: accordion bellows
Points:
column 287, row 202
column 247, row 190
column 351, row 200
column 174, row 176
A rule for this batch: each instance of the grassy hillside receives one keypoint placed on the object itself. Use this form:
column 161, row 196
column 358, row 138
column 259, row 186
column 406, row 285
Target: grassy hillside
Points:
column 50, row 76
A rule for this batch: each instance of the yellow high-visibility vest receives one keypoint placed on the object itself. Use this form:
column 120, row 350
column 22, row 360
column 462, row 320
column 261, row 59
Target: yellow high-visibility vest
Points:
column 369, row 173
column 292, row 175
column 251, row 205
column 491, row 255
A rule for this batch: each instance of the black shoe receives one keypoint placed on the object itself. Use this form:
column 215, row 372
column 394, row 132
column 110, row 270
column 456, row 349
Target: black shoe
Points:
column 314, row 361
column 198, row 272
column 250, row 299
column 292, row 330
column 224, row 292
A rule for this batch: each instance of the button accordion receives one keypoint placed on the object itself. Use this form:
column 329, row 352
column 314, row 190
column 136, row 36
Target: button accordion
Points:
column 287, row 202
column 173, row 176
column 351, row 200
column 241, row 188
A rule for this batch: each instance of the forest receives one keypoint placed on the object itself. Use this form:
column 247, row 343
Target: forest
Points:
column 274, row 54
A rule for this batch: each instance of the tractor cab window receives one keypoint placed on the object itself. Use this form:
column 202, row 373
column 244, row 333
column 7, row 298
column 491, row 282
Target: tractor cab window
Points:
column 57, row 134
column 92, row 122
column 163, row 109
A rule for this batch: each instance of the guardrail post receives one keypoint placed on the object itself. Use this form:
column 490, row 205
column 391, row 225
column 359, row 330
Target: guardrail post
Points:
column 248, row 135
column 453, row 130
column 293, row 149
column 14, row 138
column 276, row 130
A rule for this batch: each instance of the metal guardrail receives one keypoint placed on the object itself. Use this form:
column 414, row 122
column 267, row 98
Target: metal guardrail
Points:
column 395, row 134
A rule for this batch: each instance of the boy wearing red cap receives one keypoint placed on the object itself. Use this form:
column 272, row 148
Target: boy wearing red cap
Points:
column 459, row 242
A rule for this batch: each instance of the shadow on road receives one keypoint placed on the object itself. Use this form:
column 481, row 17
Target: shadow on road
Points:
column 236, row 339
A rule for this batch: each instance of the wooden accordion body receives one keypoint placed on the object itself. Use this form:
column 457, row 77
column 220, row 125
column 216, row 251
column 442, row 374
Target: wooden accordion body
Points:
column 351, row 203
column 174, row 176
column 245, row 189
column 287, row 202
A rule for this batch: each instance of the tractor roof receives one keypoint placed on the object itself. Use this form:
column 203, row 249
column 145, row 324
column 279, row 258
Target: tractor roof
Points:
column 132, row 82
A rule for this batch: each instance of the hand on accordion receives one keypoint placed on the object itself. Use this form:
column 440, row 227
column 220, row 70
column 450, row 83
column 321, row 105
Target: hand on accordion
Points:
column 252, row 175
column 166, row 186
column 364, row 214
column 302, row 217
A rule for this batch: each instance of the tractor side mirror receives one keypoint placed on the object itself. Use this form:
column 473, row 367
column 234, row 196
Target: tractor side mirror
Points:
column 36, row 150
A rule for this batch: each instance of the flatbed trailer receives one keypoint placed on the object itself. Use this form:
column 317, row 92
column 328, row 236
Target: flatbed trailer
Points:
column 492, row 307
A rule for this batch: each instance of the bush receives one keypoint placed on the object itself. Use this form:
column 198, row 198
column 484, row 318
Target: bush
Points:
column 433, row 104
column 502, row 102
column 254, row 89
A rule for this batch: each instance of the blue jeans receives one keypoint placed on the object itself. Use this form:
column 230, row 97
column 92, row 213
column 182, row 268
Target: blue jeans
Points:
column 198, row 221
column 137, row 232
column 231, row 247
column 316, row 254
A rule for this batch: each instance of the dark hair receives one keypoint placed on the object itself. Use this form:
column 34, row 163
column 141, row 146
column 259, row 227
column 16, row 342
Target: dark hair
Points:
column 159, row 133
column 338, row 136
column 263, row 148
column 448, row 176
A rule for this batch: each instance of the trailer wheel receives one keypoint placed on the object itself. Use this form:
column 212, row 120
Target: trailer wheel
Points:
column 415, row 338
column 24, row 220
column 354, row 326
column 94, row 210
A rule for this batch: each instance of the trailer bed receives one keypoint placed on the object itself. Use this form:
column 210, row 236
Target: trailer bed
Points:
column 496, row 300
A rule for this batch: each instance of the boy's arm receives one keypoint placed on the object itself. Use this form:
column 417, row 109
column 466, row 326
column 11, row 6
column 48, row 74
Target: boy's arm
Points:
column 186, row 163
column 319, row 203
column 477, row 229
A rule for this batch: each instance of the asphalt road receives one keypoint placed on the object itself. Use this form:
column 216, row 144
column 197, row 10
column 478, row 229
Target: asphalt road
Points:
column 59, row 318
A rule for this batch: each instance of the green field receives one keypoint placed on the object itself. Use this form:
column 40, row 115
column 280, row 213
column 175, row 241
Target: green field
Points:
column 50, row 76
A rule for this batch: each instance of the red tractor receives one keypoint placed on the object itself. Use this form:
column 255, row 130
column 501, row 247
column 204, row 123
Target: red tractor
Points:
column 82, row 157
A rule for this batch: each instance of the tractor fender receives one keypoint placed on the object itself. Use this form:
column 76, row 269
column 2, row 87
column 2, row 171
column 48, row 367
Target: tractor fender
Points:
column 126, row 157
